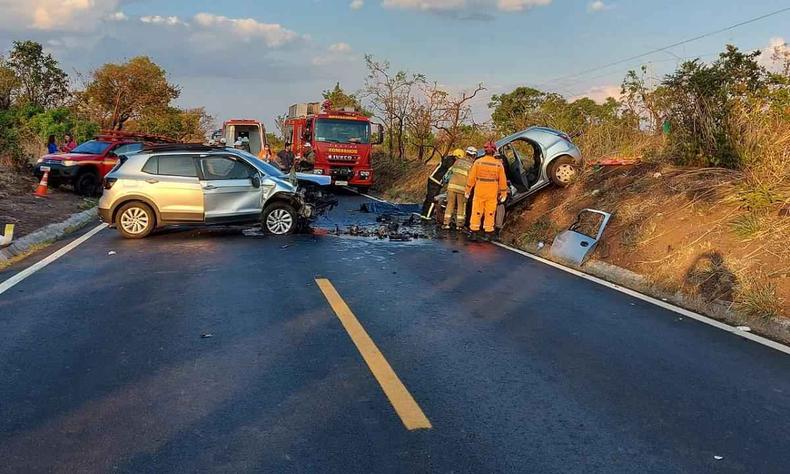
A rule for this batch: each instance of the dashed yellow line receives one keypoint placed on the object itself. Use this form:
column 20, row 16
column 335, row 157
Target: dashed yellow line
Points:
column 404, row 404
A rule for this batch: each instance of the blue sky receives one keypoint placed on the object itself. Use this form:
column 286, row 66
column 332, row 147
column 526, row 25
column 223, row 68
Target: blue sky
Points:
column 254, row 58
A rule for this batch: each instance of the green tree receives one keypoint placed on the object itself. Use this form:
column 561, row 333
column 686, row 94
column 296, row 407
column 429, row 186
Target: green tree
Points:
column 59, row 121
column 523, row 107
column 8, row 84
column 118, row 93
column 41, row 81
column 189, row 125
column 700, row 101
column 341, row 98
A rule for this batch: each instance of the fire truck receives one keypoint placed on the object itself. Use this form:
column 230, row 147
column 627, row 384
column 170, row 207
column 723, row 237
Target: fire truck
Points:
column 342, row 140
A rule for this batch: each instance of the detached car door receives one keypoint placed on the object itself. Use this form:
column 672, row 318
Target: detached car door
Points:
column 229, row 188
column 174, row 186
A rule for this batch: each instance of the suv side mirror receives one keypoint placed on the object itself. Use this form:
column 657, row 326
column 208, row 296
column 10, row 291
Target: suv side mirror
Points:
column 256, row 181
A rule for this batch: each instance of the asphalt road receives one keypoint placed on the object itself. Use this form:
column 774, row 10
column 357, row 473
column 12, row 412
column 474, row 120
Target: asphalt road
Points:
column 519, row 367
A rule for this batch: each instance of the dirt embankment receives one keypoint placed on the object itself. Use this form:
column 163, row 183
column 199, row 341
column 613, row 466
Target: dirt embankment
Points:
column 686, row 230
column 18, row 206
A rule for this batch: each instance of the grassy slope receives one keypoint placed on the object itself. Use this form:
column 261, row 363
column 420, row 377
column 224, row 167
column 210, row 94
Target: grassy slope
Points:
column 684, row 229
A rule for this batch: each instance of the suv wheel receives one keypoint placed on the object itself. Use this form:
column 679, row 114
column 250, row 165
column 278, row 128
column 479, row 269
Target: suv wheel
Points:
column 279, row 218
column 135, row 220
column 87, row 183
column 563, row 171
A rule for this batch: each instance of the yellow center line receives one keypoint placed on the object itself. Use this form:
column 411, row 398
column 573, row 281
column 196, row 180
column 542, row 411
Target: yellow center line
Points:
column 410, row 413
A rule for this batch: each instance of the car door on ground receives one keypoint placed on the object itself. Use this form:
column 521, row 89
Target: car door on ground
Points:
column 228, row 189
column 174, row 186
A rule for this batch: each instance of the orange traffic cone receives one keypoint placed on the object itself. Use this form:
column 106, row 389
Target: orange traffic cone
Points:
column 41, row 190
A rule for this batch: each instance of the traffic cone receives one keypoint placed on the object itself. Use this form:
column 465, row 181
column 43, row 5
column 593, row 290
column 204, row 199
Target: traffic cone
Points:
column 41, row 190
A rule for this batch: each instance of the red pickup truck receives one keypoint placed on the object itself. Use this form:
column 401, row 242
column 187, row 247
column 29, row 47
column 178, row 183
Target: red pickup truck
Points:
column 85, row 166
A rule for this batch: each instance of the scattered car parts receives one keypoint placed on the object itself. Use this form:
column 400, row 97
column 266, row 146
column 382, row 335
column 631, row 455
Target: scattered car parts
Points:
column 578, row 242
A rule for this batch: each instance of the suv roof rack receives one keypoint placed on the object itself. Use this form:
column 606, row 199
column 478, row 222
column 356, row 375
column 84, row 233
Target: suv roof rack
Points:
column 159, row 147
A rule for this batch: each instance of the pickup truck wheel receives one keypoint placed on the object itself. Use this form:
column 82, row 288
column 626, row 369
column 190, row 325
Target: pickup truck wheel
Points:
column 279, row 218
column 563, row 171
column 87, row 183
column 135, row 220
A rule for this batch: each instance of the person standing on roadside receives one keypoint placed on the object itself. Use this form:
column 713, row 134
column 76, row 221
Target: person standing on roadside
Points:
column 266, row 154
column 456, row 187
column 52, row 146
column 286, row 158
column 307, row 162
column 435, row 184
column 487, row 178
column 68, row 143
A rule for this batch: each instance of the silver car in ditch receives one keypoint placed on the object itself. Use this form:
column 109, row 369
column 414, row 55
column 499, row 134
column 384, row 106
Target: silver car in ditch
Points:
column 534, row 158
column 183, row 184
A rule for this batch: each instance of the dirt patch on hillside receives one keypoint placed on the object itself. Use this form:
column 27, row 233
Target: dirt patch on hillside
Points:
column 28, row 213
column 687, row 230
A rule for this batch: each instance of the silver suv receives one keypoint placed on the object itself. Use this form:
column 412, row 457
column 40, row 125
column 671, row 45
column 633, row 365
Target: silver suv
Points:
column 190, row 184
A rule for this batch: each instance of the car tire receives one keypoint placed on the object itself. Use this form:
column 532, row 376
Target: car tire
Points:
column 563, row 171
column 279, row 218
column 135, row 220
column 87, row 183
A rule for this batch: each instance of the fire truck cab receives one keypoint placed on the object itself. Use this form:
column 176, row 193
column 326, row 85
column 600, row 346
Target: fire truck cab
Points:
column 342, row 140
column 251, row 133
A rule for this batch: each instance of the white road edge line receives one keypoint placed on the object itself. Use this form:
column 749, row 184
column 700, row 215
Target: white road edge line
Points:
column 347, row 188
column 663, row 304
column 8, row 284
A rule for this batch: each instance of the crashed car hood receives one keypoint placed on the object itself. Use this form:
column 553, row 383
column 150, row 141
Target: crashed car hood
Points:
column 318, row 179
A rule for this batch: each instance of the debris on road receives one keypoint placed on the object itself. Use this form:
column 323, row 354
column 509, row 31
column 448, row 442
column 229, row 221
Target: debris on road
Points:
column 111, row 252
column 206, row 336
column 743, row 328
column 718, row 458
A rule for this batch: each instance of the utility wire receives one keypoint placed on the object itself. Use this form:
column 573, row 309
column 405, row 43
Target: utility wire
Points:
column 673, row 45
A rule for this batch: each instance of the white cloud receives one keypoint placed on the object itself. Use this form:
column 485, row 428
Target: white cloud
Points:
column 117, row 16
column 458, row 5
column 162, row 20
column 335, row 53
column 776, row 46
column 340, row 48
column 598, row 6
column 54, row 15
column 601, row 93
column 356, row 4
column 247, row 29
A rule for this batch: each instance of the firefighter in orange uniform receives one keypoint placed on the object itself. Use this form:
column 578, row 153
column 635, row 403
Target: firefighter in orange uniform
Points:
column 487, row 178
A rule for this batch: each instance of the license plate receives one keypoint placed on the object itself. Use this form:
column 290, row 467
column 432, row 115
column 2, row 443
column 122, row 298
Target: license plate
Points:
column 341, row 183
column 45, row 168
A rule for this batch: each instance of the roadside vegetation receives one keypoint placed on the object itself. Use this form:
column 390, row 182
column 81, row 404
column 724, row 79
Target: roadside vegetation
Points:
column 38, row 98
column 703, row 212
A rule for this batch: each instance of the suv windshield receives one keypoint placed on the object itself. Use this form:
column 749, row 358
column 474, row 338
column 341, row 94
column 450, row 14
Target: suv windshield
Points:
column 267, row 169
column 342, row 131
column 92, row 147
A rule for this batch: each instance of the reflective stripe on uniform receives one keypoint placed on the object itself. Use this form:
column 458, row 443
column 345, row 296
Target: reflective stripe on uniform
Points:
column 488, row 180
column 457, row 187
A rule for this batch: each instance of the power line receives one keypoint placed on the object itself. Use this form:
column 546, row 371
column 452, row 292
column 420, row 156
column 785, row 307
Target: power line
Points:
column 673, row 45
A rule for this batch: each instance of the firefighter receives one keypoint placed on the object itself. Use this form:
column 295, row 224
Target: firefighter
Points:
column 307, row 162
column 435, row 185
column 487, row 178
column 456, row 187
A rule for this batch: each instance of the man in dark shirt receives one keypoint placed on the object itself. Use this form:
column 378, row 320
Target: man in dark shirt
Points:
column 286, row 158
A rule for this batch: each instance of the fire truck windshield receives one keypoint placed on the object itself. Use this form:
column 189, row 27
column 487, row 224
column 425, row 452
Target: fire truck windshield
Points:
column 342, row 131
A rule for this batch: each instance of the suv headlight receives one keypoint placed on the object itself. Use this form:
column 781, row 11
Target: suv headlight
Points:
column 69, row 162
column 318, row 171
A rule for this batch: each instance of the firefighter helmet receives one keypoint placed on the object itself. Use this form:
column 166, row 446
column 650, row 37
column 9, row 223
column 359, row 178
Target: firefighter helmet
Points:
column 471, row 151
column 490, row 147
column 458, row 153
